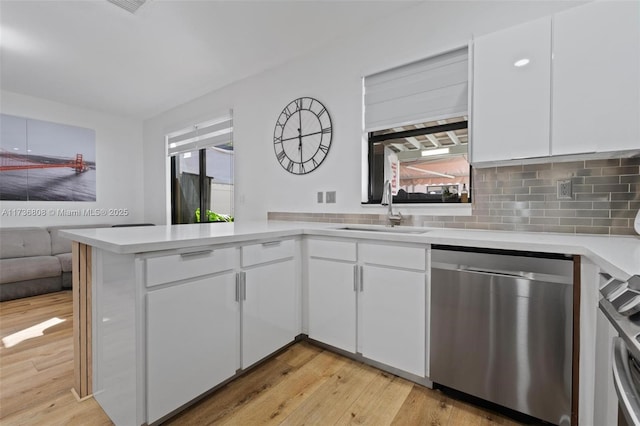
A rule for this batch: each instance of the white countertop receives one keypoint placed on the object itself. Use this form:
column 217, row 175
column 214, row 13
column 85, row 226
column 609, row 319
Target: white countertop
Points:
column 619, row 256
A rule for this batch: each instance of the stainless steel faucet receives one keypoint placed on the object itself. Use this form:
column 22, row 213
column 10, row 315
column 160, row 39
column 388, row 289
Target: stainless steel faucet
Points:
column 387, row 200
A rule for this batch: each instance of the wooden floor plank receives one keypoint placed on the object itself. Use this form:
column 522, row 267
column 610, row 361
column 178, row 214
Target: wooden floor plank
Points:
column 465, row 414
column 274, row 406
column 332, row 399
column 424, row 407
column 299, row 354
column 380, row 401
column 63, row 409
column 234, row 395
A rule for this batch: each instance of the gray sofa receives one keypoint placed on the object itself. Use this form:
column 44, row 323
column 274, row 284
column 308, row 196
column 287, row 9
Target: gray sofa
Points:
column 34, row 261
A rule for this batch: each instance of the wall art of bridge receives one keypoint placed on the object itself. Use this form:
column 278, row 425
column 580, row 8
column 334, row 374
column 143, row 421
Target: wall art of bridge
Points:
column 10, row 161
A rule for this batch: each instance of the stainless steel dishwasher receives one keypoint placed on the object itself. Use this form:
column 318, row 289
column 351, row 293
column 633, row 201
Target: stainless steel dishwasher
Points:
column 501, row 328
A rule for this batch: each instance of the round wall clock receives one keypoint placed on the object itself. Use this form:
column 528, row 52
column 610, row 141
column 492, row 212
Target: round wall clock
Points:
column 302, row 136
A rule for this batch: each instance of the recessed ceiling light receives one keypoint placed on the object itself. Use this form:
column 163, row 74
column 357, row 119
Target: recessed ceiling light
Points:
column 521, row 62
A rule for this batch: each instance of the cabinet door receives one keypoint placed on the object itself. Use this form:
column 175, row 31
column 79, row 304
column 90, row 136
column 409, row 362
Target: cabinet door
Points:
column 511, row 103
column 332, row 303
column 268, row 310
column 192, row 341
column 596, row 83
column 393, row 318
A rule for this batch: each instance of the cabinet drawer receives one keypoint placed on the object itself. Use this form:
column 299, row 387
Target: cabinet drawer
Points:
column 398, row 256
column 267, row 252
column 194, row 263
column 339, row 250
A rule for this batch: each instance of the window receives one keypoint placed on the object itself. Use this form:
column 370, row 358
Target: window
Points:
column 426, row 163
column 202, row 172
column 416, row 121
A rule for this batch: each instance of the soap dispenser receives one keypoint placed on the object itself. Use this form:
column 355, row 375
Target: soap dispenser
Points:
column 464, row 194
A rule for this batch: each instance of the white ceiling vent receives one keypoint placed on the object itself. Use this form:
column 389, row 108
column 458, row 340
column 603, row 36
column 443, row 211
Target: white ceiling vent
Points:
column 128, row 5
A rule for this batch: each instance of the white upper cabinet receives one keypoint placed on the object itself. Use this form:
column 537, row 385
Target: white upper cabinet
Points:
column 511, row 93
column 596, row 78
column 579, row 92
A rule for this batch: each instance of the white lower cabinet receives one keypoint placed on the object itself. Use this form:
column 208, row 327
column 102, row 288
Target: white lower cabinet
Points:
column 269, row 305
column 192, row 335
column 332, row 303
column 210, row 312
column 393, row 318
column 369, row 298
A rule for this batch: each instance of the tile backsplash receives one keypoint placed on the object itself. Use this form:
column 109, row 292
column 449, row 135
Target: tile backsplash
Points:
column 606, row 197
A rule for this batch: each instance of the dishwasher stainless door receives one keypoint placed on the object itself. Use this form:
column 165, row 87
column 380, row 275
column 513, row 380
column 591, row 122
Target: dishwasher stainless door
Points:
column 501, row 330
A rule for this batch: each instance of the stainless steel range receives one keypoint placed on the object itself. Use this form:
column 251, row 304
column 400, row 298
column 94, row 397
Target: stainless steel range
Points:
column 621, row 305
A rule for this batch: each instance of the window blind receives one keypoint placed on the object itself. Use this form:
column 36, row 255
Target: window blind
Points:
column 431, row 89
column 218, row 131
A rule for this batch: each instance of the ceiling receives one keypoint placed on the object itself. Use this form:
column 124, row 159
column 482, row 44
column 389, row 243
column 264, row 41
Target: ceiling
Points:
column 92, row 54
column 416, row 168
column 409, row 148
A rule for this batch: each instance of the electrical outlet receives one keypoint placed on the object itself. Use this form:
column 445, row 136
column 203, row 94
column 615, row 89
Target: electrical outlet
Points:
column 331, row 196
column 320, row 197
column 564, row 190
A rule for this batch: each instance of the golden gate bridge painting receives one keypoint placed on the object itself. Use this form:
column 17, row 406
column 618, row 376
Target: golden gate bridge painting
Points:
column 43, row 161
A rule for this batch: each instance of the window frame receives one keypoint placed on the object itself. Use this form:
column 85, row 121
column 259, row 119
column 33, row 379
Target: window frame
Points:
column 375, row 185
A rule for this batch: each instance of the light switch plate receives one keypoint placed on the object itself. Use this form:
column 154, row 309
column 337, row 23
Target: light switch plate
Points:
column 331, row 196
column 320, row 197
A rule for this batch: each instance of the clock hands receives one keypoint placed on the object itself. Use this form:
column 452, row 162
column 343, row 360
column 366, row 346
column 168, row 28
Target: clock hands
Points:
column 300, row 135
column 300, row 143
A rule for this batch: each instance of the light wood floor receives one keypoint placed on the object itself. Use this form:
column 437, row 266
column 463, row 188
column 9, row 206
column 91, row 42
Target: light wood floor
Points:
column 303, row 385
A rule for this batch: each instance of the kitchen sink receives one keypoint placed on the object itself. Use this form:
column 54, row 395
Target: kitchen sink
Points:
column 394, row 229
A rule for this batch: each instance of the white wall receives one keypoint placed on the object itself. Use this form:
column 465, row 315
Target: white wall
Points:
column 333, row 76
column 119, row 165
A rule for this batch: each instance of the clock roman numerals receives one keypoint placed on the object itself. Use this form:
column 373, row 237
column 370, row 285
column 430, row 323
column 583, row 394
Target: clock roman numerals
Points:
column 302, row 135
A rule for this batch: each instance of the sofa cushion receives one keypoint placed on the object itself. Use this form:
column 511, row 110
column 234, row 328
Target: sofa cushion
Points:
column 65, row 261
column 28, row 288
column 24, row 242
column 28, row 268
column 60, row 244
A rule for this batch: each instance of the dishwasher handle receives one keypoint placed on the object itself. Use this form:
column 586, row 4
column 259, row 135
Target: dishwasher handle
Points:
column 627, row 394
column 492, row 272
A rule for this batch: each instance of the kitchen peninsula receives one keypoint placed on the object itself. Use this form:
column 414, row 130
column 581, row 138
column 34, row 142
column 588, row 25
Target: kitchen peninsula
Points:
column 179, row 310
